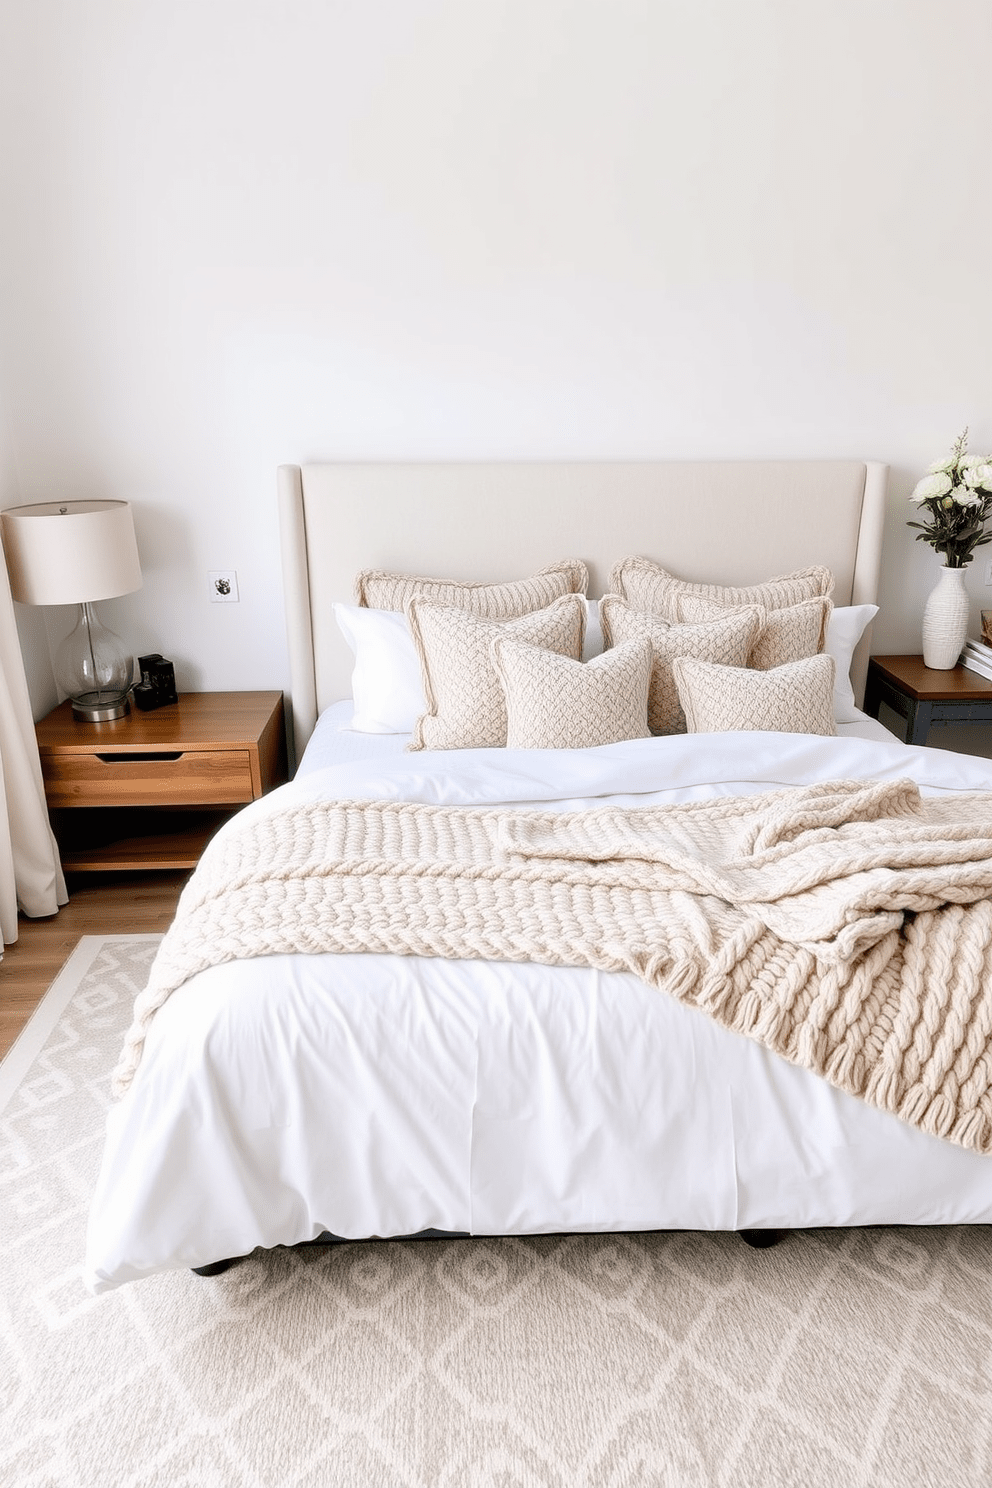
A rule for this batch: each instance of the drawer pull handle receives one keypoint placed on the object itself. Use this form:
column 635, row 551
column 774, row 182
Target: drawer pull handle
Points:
column 132, row 759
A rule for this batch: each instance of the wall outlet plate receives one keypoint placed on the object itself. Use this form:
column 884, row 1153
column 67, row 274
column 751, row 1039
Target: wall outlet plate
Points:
column 223, row 585
column 988, row 572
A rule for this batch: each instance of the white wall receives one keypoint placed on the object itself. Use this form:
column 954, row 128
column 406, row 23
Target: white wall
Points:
column 238, row 233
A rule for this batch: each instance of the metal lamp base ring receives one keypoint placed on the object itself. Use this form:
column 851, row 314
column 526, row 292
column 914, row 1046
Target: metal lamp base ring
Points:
column 97, row 711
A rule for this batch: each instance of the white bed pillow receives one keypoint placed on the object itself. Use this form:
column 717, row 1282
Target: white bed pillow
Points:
column 793, row 699
column 845, row 628
column 386, row 685
column 593, row 645
column 554, row 702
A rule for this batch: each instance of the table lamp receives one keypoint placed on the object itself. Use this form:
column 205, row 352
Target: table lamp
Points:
column 78, row 552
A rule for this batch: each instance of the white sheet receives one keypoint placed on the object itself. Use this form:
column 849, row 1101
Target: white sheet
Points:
column 334, row 741
column 384, row 1095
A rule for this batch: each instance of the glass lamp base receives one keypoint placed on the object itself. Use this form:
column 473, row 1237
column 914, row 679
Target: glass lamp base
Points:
column 93, row 670
column 100, row 707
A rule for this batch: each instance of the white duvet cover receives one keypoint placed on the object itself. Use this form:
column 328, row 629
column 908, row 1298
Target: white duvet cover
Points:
column 382, row 1095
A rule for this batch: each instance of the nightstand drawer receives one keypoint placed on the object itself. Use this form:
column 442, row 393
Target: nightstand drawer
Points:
column 212, row 777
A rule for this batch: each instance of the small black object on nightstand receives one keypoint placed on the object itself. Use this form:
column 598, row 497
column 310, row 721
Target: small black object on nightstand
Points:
column 158, row 683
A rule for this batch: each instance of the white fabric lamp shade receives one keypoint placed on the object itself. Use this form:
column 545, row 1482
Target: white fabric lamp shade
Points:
column 70, row 552
column 78, row 552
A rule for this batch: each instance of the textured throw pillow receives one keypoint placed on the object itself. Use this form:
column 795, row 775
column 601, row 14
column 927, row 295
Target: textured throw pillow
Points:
column 727, row 640
column 391, row 591
column 553, row 702
column 465, row 707
column 386, row 685
column 848, row 624
column 647, row 586
column 794, row 699
column 785, row 635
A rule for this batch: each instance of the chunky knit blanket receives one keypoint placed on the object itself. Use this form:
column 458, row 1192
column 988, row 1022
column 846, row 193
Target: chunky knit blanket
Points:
column 846, row 926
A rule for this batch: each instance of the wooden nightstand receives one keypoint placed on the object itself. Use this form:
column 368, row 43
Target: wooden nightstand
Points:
column 924, row 697
column 149, row 790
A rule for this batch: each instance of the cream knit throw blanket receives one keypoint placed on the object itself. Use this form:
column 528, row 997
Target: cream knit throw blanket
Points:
column 847, row 926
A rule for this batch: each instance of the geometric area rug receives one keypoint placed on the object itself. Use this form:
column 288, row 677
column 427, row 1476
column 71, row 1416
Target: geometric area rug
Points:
column 849, row 1358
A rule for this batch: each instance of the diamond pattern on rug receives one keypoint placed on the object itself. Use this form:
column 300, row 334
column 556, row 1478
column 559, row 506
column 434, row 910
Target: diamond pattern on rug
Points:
column 859, row 1357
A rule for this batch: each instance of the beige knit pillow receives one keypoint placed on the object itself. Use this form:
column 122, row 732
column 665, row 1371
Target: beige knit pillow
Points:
column 553, row 702
column 648, row 586
column 465, row 707
column 785, row 635
column 794, row 699
column 392, row 591
column 727, row 640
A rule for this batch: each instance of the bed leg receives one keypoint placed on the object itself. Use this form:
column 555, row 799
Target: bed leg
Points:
column 215, row 1267
column 762, row 1239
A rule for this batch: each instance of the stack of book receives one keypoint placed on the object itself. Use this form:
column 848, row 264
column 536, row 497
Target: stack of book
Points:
column 977, row 657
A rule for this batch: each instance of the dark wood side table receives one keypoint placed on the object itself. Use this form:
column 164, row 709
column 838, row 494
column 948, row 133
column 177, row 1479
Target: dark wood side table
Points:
column 924, row 697
column 149, row 790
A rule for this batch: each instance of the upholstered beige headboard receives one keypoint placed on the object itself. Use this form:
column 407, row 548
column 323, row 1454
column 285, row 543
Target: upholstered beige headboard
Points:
column 729, row 522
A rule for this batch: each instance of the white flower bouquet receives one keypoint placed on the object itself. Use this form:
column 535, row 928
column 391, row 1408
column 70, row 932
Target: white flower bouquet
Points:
column 957, row 493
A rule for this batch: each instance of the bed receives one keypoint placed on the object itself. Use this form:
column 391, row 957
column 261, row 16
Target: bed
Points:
column 285, row 1097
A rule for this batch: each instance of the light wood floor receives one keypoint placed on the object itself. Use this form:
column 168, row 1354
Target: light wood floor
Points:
column 99, row 904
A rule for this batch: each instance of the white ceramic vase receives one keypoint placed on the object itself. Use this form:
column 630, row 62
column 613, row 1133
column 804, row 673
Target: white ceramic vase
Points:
column 945, row 621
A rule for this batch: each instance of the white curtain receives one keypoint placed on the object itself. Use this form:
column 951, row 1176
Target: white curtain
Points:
column 30, row 872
